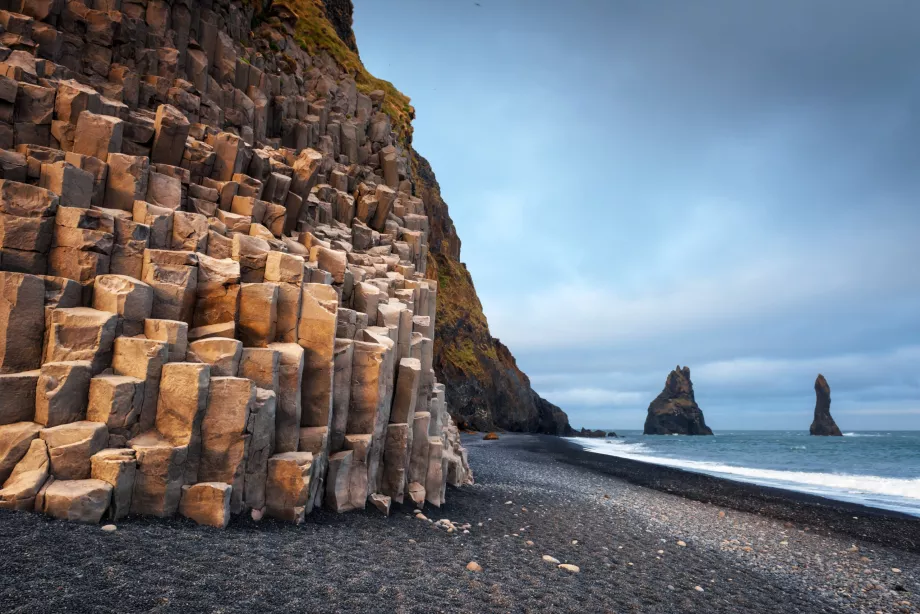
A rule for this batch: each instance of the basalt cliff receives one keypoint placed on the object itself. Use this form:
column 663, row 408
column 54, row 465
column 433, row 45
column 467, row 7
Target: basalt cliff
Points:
column 221, row 271
column 674, row 411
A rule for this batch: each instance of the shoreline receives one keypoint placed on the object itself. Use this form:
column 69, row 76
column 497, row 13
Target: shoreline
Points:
column 637, row 550
column 825, row 515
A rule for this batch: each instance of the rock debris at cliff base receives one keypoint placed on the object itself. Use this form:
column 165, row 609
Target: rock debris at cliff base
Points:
column 212, row 269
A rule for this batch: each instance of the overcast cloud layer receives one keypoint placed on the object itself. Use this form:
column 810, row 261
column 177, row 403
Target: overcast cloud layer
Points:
column 729, row 185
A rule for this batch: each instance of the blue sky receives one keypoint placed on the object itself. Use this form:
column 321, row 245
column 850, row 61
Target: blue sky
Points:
column 727, row 185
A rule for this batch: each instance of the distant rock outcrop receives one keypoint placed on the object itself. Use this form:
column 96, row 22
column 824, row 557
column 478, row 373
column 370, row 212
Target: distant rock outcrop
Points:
column 674, row 411
column 589, row 433
column 823, row 424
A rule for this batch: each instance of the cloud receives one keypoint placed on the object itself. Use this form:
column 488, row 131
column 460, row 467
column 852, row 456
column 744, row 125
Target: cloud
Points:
column 719, row 184
column 594, row 397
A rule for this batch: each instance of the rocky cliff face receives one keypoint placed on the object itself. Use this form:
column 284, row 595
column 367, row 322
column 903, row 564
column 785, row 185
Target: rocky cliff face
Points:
column 213, row 258
column 339, row 13
column 674, row 411
column 823, row 424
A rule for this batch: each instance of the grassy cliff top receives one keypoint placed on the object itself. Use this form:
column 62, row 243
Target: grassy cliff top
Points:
column 315, row 34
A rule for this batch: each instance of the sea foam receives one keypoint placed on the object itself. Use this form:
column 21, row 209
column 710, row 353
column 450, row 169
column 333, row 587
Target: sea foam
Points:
column 899, row 494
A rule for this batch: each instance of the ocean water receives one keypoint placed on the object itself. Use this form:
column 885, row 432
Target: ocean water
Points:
column 879, row 469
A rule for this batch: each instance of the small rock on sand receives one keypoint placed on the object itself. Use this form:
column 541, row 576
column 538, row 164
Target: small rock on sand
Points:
column 550, row 559
column 530, row 543
column 681, row 543
column 473, row 566
column 110, row 528
column 698, row 589
column 895, row 570
column 571, row 568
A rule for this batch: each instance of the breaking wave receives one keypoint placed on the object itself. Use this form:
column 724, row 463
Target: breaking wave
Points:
column 900, row 494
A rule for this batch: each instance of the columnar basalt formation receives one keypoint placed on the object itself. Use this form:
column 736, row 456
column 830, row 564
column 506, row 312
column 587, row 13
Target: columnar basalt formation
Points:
column 823, row 424
column 213, row 270
column 674, row 411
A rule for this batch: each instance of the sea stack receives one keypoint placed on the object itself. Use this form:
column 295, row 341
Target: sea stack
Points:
column 674, row 411
column 823, row 424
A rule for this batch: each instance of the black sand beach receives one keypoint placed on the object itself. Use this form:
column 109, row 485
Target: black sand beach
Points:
column 639, row 550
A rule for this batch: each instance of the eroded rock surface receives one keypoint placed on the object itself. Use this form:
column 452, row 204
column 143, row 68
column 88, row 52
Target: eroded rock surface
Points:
column 674, row 411
column 823, row 424
column 214, row 266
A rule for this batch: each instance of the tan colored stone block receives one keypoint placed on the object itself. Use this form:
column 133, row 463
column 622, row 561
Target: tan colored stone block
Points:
column 190, row 232
column 222, row 354
column 330, row 260
column 262, row 366
column 144, row 360
column 14, row 443
column 17, row 396
column 118, row 467
column 62, row 392
column 358, row 478
column 80, row 333
column 337, row 482
column 180, row 409
column 126, row 182
column 224, row 439
column 73, row 186
column 125, row 296
column 172, row 130
column 22, row 322
column 252, row 254
column 71, row 446
column 288, row 415
column 173, row 332
column 287, row 486
column 207, row 503
column 27, row 478
column 77, row 500
column 159, row 477
column 98, row 135
column 341, row 392
column 261, row 431
column 116, row 401
column 258, row 314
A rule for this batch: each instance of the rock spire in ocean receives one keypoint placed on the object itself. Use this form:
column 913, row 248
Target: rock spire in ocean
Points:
column 674, row 411
column 823, row 423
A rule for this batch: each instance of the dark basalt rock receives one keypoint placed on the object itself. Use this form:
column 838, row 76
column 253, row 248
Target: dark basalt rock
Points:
column 589, row 433
column 675, row 411
column 823, row 424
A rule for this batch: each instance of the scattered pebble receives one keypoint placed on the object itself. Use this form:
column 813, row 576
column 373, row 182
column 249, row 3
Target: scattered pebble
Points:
column 509, row 502
column 571, row 568
column 473, row 566
column 111, row 528
column 893, row 569
column 421, row 516
column 550, row 559
column 698, row 588
column 681, row 543
column 530, row 543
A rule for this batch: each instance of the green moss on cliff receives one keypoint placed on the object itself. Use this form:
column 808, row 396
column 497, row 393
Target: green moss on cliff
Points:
column 316, row 34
